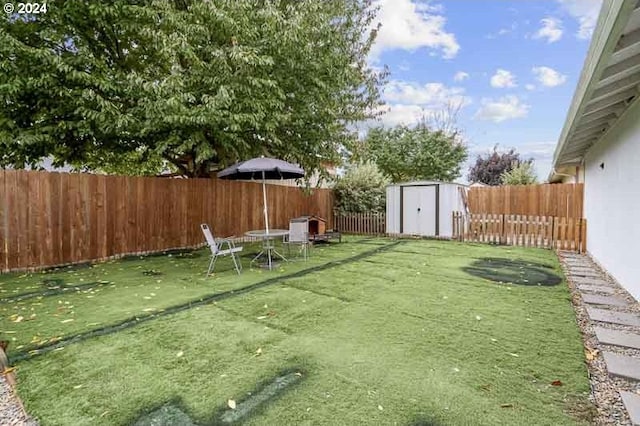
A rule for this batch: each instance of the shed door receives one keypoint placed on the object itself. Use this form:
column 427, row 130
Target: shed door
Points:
column 419, row 210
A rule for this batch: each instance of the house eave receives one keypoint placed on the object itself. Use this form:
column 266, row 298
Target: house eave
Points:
column 608, row 85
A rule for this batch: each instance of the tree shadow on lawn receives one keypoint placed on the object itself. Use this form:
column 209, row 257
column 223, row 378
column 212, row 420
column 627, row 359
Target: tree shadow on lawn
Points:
column 174, row 411
column 511, row 271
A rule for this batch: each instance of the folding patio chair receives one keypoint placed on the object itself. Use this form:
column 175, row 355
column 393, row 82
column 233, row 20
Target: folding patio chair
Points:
column 298, row 235
column 217, row 249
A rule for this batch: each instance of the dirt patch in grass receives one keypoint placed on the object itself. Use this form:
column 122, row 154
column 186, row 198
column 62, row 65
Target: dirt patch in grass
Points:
column 510, row 271
column 581, row 409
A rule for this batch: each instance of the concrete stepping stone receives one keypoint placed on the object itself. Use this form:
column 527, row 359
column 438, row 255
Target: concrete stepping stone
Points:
column 617, row 337
column 622, row 366
column 585, row 274
column 631, row 402
column 613, row 317
column 595, row 288
column 596, row 299
column 591, row 281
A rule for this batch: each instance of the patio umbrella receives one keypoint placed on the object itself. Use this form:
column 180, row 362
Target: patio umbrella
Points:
column 265, row 168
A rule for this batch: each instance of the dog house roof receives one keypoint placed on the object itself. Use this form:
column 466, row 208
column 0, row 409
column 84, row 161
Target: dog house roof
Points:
column 307, row 218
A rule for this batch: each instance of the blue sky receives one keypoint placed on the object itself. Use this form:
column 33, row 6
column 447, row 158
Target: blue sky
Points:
column 511, row 67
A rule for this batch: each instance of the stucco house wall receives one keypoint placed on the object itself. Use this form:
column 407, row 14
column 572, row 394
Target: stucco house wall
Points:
column 612, row 200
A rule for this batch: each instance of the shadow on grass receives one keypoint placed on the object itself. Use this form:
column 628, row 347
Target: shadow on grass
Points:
column 175, row 412
column 509, row 271
column 425, row 422
column 54, row 287
column 37, row 350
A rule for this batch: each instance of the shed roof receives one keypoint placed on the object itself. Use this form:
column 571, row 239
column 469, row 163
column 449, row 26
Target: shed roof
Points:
column 425, row 182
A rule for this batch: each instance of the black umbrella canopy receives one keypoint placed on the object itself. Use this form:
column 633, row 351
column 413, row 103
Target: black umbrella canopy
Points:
column 254, row 169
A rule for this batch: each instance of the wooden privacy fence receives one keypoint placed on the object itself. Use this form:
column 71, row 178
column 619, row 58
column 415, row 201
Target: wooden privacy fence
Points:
column 49, row 219
column 562, row 233
column 558, row 200
column 360, row 223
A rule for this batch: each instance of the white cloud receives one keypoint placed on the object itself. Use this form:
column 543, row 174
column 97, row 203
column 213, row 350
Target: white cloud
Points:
column 502, row 109
column 585, row 12
column 395, row 114
column 410, row 26
column 502, row 79
column 460, row 76
column 408, row 102
column 530, row 87
column 551, row 30
column 432, row 95
column 548, row 76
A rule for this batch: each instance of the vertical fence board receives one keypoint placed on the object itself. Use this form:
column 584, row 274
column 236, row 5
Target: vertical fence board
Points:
column 49, row 219
column 560, row 200
column 522, row 230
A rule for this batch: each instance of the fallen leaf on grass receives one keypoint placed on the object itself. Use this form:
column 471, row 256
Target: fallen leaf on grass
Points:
column 258, row 352
column 232, row 404
column 556, row 383
column 380, row 407
column 179, row 354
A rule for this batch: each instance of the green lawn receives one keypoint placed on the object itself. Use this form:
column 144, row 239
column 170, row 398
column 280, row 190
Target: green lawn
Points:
column 378, row 331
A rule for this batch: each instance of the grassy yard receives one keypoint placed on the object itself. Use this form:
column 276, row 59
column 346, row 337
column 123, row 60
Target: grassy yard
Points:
column 376, row 331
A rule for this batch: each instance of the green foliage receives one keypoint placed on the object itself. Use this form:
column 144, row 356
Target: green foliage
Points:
column 361, row 189
column 420, row 153
column 197, row 84
column 521, row 174
column 489, row 168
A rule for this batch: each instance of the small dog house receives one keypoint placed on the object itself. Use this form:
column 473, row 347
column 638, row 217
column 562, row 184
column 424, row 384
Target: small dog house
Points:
column 424, row 208
column 312, row 225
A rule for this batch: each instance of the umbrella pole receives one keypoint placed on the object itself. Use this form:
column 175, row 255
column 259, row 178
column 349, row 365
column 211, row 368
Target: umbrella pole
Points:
column 266, row 217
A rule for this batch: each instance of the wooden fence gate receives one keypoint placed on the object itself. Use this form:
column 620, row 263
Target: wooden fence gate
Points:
column 562, row 233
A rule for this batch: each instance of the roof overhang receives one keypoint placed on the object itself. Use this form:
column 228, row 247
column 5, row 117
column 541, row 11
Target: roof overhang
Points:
column 608, row 85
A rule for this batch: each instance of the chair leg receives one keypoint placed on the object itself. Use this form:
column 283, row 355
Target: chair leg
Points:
column 235, row 262
column 211, row 265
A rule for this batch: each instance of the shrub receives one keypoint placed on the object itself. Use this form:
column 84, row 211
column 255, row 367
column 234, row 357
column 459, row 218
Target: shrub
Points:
column 361, row 189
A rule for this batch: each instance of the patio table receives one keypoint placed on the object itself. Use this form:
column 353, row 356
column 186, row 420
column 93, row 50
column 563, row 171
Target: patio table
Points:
column 268, row 246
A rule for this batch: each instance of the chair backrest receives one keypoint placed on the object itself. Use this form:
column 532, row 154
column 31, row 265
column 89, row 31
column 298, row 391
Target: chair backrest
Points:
column 209, row 237
column 298, row 232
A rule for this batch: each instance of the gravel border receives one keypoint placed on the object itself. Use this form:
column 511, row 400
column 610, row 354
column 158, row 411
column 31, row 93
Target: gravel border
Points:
column 11, row 412
column 604, row 389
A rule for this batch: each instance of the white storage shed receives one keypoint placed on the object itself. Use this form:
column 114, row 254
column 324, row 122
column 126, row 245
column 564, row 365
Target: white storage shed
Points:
column 423, row 208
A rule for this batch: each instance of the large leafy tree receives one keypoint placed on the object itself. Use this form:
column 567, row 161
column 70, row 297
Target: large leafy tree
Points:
column 194, row 84
column 412, row 153
column 490, row 168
